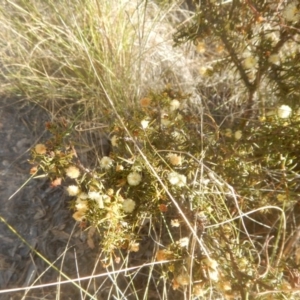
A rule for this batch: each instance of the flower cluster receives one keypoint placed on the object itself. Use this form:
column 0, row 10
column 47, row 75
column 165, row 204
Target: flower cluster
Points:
column 128, row 205
column 212, row 268
column 291, row 12
column 40, row 149
column 73, row 190
column 125, row 172
column 250, row 62
column 177, row 179
column 174, row 159
column 81, row 206
column 72, row 172
column 106, row 162
column 284, row 111
column 134, row 178
column 238, row 135
column 161, row 141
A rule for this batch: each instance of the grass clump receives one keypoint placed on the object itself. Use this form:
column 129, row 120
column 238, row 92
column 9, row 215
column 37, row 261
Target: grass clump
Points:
column 64, row 58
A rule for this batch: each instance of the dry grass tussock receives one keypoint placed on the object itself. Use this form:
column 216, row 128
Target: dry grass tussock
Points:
column 61, row 56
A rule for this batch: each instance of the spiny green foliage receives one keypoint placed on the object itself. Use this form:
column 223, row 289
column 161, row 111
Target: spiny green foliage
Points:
column 260, row 42
column 160, row 163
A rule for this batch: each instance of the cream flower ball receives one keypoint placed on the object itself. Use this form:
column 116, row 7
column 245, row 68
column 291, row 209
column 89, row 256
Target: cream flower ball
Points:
column 291, row 12
column 174, row 105
column 174, row 159
column 134, row 178
column 40, row 149
column 238, row 135
column 250, row 62
column 128, row 205
column 73, row 190
column 106, row 162
column 284, row 111
column 72, row 172
column 145, row 123
column 177, row 179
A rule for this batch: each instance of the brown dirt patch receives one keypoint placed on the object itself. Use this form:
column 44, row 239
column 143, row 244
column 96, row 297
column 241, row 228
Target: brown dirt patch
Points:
column 37, row 212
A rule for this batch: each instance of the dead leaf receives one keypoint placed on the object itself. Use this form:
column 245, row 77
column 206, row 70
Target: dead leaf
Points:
column 163, row 208
column 121, row 182
column 60, row 235
column 90, row 234
column 56, row 182
column 164, row 255
column 175, row 284
column 33, row 170
column 90, row 243
column 134, row 247
column 39, row 214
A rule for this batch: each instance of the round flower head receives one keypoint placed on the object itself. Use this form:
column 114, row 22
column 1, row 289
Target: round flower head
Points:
column 228, row 132
column 119, row 168
column 284, row 111
column 106, row 162
column 128, row 205
column 175, row 223
column 73, row 190
column 83, row 196
column 174, row 159
column 174, row 105
column 97, row 197
column 225, row 286
column 250, row 62
column 281, row 197
column 73, row 172
column 274, row 59
column 238, row 135
column 79, row 216
column 94, row 195
column 291, row 12
column 211, row 263
column 205, row 71
column 213, row 274
column 145, row 102
column 81, row 205
column 177, row 179
column 243, row 264
column 173, row 178
column 134, row 178
column 183, row 278
column 165, row 119
column 114, row 141
column 134, row 247
column 201, row 47
column 40, row 149
column 212, row 268
column 182, row 180
column 177, row 135
column 184, row 242
column 145, row 123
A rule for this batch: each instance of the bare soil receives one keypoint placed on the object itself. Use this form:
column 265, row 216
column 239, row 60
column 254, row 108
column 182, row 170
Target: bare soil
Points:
column 36, row 211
